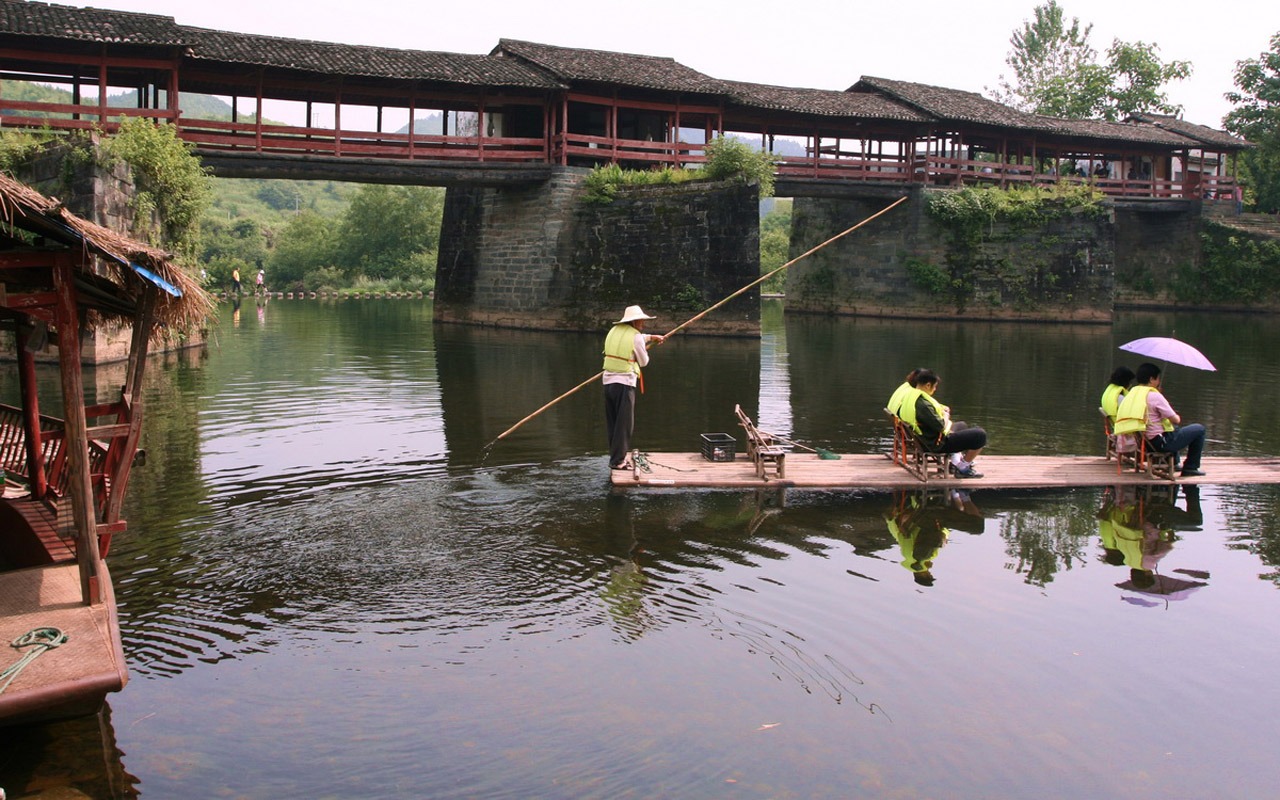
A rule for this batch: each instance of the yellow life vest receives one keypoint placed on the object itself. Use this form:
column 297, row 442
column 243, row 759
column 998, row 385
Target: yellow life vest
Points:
column 907, row 411
column 895, row 399
column 1111, row 397
column 620, row 349
column 1131, row 416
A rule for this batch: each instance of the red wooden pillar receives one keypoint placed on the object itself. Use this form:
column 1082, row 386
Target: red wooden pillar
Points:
column 337, row 119
column 257, row 122
column 31, row 414
column 102, row 88
column 76, row 443
column 174, row 101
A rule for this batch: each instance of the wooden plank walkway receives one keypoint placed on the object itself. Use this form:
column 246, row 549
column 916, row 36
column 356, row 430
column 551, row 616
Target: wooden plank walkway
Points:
column 871, row 471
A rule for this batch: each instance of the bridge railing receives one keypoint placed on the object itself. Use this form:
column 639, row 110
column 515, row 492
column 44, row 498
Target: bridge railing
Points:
column 299, row 140
column 582, row 146
column 842, row 167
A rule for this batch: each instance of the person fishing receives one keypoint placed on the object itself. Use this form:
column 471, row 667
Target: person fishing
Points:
column 625, row 354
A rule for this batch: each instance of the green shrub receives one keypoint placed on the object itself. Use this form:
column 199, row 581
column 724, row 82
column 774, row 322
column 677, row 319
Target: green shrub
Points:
column 168, row 177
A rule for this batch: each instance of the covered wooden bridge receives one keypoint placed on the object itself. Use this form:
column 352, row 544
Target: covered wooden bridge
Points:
column 433, row 117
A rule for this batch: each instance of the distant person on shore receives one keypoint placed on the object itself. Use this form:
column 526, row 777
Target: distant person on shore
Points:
column 625, row 354
column 1119, row 382
column 931, row 421
column 235, row 280
column 260, row 281
column 1145, row 412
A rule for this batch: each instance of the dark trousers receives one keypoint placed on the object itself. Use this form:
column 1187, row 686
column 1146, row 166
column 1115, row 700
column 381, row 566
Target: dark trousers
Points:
column 619, row 419
column 1190, row 437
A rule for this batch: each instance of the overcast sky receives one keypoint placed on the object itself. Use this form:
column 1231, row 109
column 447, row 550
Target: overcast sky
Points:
column 823, row 44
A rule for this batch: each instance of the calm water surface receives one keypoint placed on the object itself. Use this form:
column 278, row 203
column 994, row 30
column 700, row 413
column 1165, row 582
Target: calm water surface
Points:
column 331, row 587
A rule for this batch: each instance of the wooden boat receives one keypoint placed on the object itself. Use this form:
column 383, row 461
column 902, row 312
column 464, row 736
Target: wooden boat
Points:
column 65, row 476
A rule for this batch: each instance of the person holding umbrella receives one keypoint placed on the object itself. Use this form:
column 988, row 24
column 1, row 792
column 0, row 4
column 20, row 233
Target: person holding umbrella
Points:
column 1145, row 411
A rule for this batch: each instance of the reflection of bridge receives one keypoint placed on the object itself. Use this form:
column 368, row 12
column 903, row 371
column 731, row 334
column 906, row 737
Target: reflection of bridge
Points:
column 358, row 113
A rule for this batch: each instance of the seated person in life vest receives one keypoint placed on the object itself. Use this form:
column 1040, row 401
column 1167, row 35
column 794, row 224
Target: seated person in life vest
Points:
column 931, row 421
column 895, row 399
column 1145, row 412
column 1117, row 385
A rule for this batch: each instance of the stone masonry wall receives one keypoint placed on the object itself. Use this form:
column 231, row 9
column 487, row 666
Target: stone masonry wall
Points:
column 1153, row 242
column 904, row 264
column 99, row 195
column 540, row 257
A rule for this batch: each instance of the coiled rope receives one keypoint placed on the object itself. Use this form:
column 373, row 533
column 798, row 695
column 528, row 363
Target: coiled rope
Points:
column 36, row 642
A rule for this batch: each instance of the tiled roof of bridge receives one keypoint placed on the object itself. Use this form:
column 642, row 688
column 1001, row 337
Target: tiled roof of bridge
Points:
column 379, row 62
column 601, row 66
column 950, row 104
column 1115, row 131
column 823, row 102
column 88, row 24
column 1201, row 133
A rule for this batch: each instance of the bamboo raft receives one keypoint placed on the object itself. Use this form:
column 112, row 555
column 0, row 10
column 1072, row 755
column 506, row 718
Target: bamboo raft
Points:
column 878, row 471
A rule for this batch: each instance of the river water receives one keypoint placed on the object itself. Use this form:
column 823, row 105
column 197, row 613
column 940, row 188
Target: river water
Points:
column 332, row 586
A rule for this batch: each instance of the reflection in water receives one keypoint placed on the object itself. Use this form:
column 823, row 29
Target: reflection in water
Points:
column 1137, row 527
column 75, row 758
column 921, row 522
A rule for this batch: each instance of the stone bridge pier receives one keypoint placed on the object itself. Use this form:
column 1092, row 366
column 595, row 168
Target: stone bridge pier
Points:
column 549, row 256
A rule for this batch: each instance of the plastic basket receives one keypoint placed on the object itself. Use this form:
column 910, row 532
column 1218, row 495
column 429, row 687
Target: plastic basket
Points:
column 719, row 447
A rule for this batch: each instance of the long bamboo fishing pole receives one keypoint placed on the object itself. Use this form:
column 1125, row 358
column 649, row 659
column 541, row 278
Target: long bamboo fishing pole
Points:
column 707, row 311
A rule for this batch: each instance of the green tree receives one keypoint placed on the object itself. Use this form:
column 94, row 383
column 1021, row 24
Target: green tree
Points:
column 1256, row 117
column 306, row 244
column 1056, row 72
column 241, row 239
column 775, row 244
column 385, row 230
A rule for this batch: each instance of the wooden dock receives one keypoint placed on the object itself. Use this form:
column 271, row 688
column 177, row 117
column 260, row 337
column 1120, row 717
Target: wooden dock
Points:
column 72, row 679
column 872, row 471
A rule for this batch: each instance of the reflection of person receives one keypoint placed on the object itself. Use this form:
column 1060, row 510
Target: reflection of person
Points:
column 625, row 353
column 1145, row 411
column 920, row 537
column 1117, row 385
column 1165, row 512
column 931, row 421
column 1140, row 543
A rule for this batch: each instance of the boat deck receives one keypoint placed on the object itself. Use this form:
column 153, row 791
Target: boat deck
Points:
column 77, row 674
column 876, row 471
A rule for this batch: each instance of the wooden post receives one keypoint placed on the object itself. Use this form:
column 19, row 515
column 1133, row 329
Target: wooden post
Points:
column 31, row 414
column 132, row 399
column 76, row 443
column 257, row 123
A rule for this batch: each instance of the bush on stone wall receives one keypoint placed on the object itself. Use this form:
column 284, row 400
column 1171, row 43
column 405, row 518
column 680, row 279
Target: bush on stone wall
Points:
column 1235, row 268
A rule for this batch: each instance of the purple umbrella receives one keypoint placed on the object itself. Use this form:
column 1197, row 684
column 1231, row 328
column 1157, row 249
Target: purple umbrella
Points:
column 1170, row 350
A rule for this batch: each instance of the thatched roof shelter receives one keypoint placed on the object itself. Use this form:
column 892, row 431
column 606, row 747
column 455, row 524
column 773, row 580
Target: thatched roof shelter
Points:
column 125, row 269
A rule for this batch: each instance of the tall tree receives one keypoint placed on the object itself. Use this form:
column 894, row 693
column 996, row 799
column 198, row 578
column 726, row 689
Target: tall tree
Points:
column 1056, row 72
column 1256, row 117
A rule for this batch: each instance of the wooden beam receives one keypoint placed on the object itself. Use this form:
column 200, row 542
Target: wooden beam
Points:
column 127, row 445
column 79, row 482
